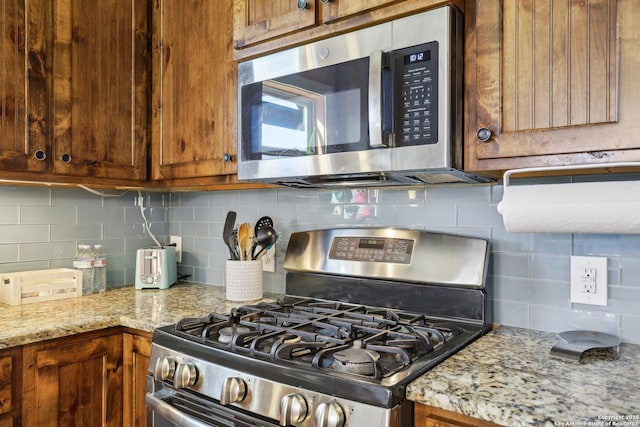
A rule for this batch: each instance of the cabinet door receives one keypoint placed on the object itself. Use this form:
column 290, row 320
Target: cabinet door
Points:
column 10, row 387
column 23, row 90
column 194, row 90
column 551, row 82
column 100, row 87
column 136, row 350
column 339, row 9
column 259, row 20
column 428, row 416
column 74, row 381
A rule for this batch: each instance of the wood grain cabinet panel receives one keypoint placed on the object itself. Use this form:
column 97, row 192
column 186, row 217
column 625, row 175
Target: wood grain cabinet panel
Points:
column 23, row 91
column 551, row 82
column 259, row 20
column 100, row 83
column 194, row 90
column 428, row 416
column 10, row 387
column 74, row 381
column 340, row 9
column 136, row 351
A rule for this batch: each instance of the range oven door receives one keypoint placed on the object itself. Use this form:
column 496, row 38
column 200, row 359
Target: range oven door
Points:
column 170, row 408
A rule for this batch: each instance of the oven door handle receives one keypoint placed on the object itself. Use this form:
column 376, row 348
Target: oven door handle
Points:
column 171, row 414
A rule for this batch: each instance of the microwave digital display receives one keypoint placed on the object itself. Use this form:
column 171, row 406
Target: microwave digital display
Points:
column 416, row 57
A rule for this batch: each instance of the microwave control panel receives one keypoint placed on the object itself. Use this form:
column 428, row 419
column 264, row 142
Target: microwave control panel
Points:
column 372, row 249
column 415, row 71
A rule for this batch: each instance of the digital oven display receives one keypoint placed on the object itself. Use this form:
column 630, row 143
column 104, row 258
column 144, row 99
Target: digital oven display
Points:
column 371, row 244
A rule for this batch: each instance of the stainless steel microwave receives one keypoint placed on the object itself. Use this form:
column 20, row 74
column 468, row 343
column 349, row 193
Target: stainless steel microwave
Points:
column 377, row 106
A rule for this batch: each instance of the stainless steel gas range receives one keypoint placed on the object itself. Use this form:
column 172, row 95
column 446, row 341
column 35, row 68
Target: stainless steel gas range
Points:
column 366, row 311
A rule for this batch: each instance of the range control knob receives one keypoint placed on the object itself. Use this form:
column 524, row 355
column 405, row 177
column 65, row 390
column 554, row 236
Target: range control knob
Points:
column 233, row 390
column 293, row 409
column 329, row 415
column 186, row 375
column 165, row 368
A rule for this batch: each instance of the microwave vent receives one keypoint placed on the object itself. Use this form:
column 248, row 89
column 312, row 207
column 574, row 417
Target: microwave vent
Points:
column 449, row 176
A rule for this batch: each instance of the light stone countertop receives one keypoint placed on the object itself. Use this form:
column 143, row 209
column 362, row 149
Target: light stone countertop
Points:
column 138, row 309
column 506, row 377
column 509, row 377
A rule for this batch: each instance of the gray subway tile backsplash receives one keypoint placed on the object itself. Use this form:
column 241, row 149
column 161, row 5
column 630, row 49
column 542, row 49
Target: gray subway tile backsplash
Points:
column 528, row 278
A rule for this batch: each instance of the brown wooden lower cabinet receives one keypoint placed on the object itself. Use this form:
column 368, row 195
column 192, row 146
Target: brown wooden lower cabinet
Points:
column 428, row 416
column 75, row 380
column 136, row 350
column 10, row 387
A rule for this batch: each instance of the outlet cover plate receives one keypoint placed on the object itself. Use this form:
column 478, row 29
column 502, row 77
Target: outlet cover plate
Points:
column 178, row 242
column 589, row 280
column 269, row 260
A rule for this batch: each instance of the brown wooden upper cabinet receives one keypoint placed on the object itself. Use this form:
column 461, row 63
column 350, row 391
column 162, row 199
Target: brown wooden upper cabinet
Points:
column 23, row 114
column 333, row 10
column 100, row 72
column 193, row 113
column 551, row 83
column 74, row 78
column 275, row 24
column 259, row 20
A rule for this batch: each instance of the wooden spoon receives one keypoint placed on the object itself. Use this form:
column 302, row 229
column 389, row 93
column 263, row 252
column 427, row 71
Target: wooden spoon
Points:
column 245, row 234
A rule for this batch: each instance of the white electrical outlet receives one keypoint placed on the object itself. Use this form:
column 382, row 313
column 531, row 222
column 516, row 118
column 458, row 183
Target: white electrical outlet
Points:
column 269, row 260
column 589, row 280
column 178, row 242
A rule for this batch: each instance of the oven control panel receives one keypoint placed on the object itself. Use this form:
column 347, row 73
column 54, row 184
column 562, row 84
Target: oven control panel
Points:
column 372, row 249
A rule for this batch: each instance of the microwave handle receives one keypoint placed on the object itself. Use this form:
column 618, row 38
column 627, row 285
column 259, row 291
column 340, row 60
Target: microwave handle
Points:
column 375, row 106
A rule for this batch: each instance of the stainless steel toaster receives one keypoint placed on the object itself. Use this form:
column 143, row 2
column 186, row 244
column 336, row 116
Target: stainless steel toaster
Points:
column 156, row 267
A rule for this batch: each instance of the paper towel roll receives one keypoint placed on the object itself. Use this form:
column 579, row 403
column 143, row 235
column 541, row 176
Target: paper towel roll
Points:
column 588, row 207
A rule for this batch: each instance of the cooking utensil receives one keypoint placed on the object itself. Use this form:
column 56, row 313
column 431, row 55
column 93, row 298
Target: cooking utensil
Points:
column 245, row 235
column 233, row 244
column 266, row 238
column 227, row 232
column 573, row 344
column 264, row 221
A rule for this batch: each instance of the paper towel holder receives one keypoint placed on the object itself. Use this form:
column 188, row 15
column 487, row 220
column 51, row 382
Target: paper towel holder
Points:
column 602, row 207
column 507, row 174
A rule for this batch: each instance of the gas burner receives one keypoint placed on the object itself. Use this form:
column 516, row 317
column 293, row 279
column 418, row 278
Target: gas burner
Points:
column 226, row 334
column 356, row 360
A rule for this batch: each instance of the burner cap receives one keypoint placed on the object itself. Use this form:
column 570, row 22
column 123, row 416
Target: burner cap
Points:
column 225, row 334
column 356, row 360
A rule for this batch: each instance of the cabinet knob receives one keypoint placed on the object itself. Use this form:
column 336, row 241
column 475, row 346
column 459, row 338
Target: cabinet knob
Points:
column 40, row 155
column 483, row 134
column 66, row 157
column 227, row 157
column 302, row 4
column 325, row 1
